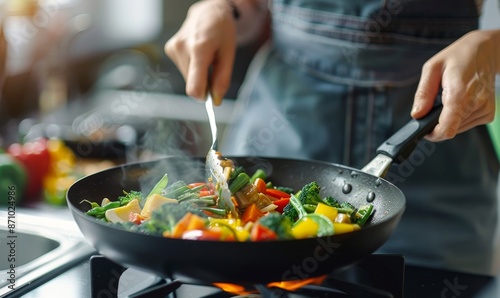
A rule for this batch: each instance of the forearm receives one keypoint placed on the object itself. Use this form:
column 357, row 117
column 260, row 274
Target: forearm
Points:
column 496, row 49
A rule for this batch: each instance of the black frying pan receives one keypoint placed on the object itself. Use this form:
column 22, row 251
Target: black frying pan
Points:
column 251, row 262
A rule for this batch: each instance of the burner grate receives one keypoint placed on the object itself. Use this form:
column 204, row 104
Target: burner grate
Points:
column 378, row 276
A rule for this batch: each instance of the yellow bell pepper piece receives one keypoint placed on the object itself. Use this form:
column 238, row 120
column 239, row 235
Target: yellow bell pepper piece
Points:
column 232, row 225
column 328, row 211
column 305, row 228
column 341, row 228
column 154, row 202
column 233, row 222
column 121, row 214
column 62, row 158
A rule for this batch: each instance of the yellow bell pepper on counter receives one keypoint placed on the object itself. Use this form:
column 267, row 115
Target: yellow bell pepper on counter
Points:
column 61, row 172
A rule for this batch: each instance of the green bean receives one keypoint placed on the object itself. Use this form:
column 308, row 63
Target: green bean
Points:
column 216, row 211
column 258, row 174
column 92, row 204
column 203, row 202
column 99, row 211
column 159, row 186
column 239, row 182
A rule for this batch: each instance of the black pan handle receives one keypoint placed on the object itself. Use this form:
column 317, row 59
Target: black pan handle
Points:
column 401, row 144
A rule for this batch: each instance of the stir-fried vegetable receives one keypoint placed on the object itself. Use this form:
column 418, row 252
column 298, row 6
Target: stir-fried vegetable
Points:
column 308, row 195
column 265, row 212
column 310, row 224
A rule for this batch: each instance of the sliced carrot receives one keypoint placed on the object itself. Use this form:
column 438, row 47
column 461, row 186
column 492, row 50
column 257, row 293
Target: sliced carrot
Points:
column 261, row 185
column 196, row 223
column 181, row 226
column 251, row 213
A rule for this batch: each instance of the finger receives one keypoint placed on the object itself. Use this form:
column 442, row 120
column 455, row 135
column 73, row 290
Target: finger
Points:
column 221, row 75
column 428, row 87
column 175, row 51
column 481, row 116
column 197, row 75
column 450, row 119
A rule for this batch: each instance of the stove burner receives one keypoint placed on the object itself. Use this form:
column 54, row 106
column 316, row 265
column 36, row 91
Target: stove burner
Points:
column 377, row 276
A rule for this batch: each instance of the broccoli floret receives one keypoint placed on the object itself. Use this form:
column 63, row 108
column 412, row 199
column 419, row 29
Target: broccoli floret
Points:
column 331, row 201
column 132, row 227
column 309, row 194
column 280, row 225
column 167, row 216
column 290, row 213
column 129, row 196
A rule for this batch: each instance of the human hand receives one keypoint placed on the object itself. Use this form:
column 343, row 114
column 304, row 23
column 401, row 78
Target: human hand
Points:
column 207, row 38
column 465, row 71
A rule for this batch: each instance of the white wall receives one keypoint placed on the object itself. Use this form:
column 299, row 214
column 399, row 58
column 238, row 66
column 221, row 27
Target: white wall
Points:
column 491, row 14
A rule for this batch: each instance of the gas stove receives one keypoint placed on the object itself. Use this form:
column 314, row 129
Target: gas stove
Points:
column 378, row 276
column 417, row 282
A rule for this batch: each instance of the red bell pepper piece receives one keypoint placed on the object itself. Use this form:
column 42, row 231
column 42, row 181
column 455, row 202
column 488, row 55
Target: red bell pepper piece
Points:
column 35, row 157
column 262, row 233
column 196, row 184
column 281, row 203
column 276, row 193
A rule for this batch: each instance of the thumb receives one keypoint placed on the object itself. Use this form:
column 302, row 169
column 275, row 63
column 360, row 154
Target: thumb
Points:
column 427, row 89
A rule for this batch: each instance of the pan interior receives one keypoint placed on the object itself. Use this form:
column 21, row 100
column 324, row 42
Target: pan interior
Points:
column 342, row 183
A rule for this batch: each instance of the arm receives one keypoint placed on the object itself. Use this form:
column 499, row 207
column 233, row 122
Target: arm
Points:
column 465, row 71
column 207, row 40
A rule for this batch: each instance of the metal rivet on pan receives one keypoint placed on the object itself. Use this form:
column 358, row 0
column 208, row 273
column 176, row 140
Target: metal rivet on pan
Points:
column 378, row 182
column 354, row 174
column 370, row 196
column 346, row 188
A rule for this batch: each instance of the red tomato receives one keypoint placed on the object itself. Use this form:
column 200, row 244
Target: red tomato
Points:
column 262, row 233
column 276, row 193
column 136, row 218
column 281, row 203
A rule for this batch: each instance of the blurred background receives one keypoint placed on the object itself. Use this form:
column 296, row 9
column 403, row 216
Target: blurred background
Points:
column 91, row 80
column 87, row 85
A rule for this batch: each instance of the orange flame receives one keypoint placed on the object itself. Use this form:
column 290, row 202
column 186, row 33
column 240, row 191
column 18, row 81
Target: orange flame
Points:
column 233, row 288
column 289, row 285
column 293, row 285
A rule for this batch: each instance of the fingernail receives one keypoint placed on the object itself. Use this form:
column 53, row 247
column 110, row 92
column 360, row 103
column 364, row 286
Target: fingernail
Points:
column 217, row 99
column 415, row 109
